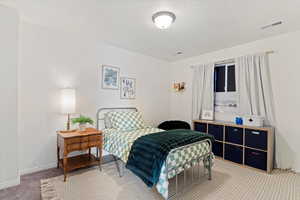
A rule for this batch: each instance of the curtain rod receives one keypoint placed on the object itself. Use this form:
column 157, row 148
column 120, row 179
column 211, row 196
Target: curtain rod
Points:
column 230, row 60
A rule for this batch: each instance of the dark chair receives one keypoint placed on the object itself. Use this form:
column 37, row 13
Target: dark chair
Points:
column 174, row 124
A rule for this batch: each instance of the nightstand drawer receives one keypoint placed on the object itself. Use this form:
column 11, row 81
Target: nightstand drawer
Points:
column 78, row 146
column 76, row 140
column 256, row 139
column 84, row 145
column 94, row 138
column 73, row 147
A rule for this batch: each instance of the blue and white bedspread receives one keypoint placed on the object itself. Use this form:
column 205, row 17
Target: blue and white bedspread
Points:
column 119, row 144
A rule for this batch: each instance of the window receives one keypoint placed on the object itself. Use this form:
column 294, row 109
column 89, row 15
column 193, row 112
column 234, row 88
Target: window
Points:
column 231, row 78
column 225, row 78
column 225, row 88
column 220, row 77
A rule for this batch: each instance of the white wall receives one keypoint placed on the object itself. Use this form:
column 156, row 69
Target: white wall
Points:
column 9, row 174
column 285, row 70
column 51, row 59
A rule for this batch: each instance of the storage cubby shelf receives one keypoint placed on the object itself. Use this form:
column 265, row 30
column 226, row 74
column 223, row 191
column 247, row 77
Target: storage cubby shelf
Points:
column 244, row 145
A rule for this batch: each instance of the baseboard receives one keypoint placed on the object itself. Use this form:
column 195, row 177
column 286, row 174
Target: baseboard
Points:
column 9, row 183
column 105, row 158
column 38, row 168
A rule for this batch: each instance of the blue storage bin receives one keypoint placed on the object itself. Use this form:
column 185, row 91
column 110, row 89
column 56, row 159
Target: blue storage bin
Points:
column 234, row 135
column 216, row 131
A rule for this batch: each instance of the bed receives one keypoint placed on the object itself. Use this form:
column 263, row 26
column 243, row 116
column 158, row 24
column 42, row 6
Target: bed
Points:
column 119, row 143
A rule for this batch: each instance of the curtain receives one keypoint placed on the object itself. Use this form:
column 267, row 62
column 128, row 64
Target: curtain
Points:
column 254, row 87
column 255, row 93
column 203, row 89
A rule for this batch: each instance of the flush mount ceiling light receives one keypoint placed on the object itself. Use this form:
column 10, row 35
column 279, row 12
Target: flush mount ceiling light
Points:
column 163, row 19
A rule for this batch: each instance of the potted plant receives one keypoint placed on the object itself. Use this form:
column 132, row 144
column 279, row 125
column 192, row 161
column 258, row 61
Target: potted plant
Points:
column 82, row 121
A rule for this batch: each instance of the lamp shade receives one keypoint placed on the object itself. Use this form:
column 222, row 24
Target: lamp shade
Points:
column 68, row 101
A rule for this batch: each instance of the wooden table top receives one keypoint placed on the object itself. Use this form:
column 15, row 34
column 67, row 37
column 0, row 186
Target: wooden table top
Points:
column 77, row 133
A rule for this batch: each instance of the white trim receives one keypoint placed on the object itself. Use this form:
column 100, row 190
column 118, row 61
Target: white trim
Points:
column 226, row 78
column 50, row 165
column 9, row 183
column 38, row 168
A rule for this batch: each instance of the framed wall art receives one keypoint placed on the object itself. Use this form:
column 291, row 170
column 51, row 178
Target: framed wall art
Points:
column 207, row 115
column 110, row 77
column 127, row 88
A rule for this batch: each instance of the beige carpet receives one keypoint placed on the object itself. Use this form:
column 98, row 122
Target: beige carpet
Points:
column 229, row 182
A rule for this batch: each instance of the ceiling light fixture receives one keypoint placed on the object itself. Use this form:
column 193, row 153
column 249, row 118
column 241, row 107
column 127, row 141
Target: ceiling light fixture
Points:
column 163, row 19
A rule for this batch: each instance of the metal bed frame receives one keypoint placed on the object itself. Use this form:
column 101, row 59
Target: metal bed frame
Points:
column 205, row 158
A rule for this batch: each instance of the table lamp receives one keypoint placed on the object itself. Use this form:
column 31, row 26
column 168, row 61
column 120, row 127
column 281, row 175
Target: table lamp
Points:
column 68, row 103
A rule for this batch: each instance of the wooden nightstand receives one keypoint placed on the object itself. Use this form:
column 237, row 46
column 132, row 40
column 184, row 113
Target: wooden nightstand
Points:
column 69, row 141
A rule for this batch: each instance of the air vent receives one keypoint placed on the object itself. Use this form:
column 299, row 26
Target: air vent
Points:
column 271, row 25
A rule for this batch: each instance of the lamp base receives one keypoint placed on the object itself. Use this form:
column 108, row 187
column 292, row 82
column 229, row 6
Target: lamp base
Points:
column 68, row 123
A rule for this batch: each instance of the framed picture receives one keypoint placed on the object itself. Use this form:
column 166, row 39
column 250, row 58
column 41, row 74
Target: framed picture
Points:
column 127, row 88
column 207, row 115
column 110, row 77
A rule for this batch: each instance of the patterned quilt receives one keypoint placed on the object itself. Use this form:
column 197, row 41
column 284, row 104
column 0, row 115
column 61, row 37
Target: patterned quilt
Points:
column 119, row 144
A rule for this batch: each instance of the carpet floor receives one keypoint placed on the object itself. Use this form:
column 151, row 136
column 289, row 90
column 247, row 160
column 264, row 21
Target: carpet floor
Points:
column 229, row 182
column 29, row 188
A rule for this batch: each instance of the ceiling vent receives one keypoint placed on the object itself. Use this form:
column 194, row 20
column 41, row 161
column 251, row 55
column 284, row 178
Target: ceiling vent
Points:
column 271, row 25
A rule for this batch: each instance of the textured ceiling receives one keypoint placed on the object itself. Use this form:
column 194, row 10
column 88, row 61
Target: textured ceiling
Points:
column 201, row 25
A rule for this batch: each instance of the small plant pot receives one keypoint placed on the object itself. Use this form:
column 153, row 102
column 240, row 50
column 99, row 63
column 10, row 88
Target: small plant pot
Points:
column 82, row 127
